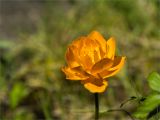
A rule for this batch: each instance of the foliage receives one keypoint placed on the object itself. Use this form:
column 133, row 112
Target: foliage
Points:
column 17, row 93
column 30, row 62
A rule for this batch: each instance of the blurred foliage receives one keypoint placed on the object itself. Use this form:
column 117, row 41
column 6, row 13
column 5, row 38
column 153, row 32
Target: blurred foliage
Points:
column 18, row 92
column 31, row 83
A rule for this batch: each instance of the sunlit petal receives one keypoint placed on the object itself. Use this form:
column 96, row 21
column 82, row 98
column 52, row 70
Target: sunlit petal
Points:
column 75, row 73
column 101, row 65
column 95, row 85
column 118, row 63
column 88, row 53
column 110, row 48
column 95, row 35
column 71, row 57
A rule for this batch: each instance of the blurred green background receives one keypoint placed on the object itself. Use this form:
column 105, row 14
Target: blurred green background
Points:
column 34, row 35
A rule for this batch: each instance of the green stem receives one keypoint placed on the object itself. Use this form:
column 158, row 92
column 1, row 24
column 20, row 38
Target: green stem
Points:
column 96, row 106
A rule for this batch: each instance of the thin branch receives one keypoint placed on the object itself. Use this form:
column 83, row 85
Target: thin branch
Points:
column 122, row 110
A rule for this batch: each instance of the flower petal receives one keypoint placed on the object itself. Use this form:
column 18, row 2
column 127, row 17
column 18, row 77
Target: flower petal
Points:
column 71, row 57
column 73, row 51
column 86, row 62
column 101, row 65
column 89, row 53
column 76, row 73
column 95, row 85
column 106, row 73
column 78, row 42
column 118, row 63
column 95, row 35
column 110, row 48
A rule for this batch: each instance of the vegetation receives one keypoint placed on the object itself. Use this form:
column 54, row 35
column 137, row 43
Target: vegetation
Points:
column 32, row 85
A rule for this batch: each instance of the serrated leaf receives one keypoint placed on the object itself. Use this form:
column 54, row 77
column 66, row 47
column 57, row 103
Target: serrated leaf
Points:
column 154, row 81
column 151, row 102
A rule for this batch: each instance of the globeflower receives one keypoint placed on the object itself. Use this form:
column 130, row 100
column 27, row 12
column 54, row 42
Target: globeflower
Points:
column 92, row 60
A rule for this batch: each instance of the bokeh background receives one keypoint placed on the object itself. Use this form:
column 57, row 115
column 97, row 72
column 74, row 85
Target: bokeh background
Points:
column 34, row 35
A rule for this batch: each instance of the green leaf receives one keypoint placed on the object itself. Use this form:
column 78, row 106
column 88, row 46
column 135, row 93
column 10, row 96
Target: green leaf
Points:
column 151, row 102
column 154, row 81
column 19, row 91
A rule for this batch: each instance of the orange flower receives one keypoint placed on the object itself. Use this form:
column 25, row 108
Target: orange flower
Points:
column 91, row 59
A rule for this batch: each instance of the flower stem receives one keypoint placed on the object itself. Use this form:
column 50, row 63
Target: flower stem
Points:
column 96, row 106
